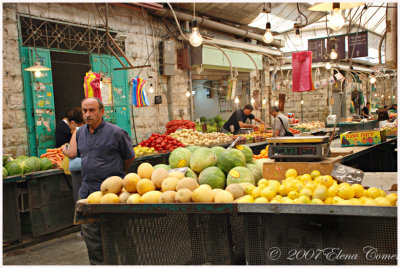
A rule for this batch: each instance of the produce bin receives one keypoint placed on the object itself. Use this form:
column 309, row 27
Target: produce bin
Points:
column 282, row 234
column 172, row 234
column 11, row 217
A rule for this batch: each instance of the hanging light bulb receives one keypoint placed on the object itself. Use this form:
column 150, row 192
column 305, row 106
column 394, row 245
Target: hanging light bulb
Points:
column 268, row 37
column 333, row 54
column 195, row 37
column 151, row 89
column 38, row 74
column 376, row 95
column 301, row 102
column 372, row 79
column 236, row 100
column 297, row 40
column 382, row 96
column 276, row 103
column 328, row 65
column 252, row 101
column 264, row 101
column 37, row 68
column 336, row 21
column 188, row 93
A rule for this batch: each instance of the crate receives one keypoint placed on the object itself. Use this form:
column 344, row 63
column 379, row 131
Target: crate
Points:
column 295, row 234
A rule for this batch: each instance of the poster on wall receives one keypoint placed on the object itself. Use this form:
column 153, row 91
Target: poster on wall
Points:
column 106, row 91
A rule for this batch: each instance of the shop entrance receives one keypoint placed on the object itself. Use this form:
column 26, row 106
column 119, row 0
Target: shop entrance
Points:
column 68, row 71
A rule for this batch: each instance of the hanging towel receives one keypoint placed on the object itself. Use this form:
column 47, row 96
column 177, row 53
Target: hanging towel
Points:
column 139, row 97
column 302, row 72
column 91, row 85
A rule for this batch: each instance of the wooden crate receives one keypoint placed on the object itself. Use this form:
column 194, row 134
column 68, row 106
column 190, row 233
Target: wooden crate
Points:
column 277, row 170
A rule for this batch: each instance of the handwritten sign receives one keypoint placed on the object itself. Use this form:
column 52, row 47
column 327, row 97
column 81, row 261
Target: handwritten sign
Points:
column 317, row 46
column 347, row 174
column 157, row 99
column 360, row 45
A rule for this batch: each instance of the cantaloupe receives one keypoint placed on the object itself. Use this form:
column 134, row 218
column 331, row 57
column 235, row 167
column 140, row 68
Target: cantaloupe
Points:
column 167, row 197
column 169, row 184
column 94, row 198
column 177, row 174
column 183, row 196
column 134, row 199
column 158, row 176
column 123, row 197
column 109, row 198
column 145, row 170
column 223, row 196
column 130, row 182
column 203, row 195
column 236, row 190
column 151, row 197
column 145, row 185
column 189, row 183
column 112, row 184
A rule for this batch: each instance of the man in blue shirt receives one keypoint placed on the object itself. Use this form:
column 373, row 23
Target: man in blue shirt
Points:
column 106, row 150
column 238, row 119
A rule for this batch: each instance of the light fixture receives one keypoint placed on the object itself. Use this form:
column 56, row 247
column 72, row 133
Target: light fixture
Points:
column 333, row 55
column 276, row 103
column 252, row 101
column 297, row 40
column 236, row 100
column 151, row 89
column 37, row 68
column 382, row 96
column 195, row 37
column 302, row 102
column 188, row 93
column 336, row 21
column 372, row 79
column 376, row 95
column 193, row 92
column 328, row 65
column 264, row 101
column 268, row 37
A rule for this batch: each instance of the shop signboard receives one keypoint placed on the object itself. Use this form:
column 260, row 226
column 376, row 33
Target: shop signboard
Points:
column 317, row 46
column 362, row 138
column 358, row 42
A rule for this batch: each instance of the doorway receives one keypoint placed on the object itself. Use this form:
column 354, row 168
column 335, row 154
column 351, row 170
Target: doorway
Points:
column 68, row 71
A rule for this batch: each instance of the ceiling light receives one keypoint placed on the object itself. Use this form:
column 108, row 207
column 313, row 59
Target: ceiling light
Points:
column 188, row 93
column 268, row 37
column 264, row 101
column 372, row 79
column 328, row 65
column 336, row 21
column 37, row 68
column 333, row 54
column 376, row 95
column 252, row 101
column 151, row 89
column 382, row 96
column 236, row 100
column 195, row 37
column 327, row 6
column 276, row 103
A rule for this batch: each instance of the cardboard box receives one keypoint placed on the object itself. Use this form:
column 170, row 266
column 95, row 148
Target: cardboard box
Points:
column 362, row 138
column 277, row 170
column 386, row 181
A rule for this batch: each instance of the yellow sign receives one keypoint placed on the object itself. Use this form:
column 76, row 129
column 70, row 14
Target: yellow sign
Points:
column 181, row 163
column 234, row 173
column 239, row 147
column 361, row 138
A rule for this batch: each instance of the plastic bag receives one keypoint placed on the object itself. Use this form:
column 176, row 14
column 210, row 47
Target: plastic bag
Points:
column 75, row 164
column 65, row 165
column 302, row 72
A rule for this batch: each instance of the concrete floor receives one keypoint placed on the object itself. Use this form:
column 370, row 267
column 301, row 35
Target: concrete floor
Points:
column 65, row 250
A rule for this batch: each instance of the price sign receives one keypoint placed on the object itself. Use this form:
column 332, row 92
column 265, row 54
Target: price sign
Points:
column 157, row 99
column 347, row 174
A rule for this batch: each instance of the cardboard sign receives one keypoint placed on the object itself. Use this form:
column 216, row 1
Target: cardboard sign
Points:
column 361, row 138
column 347, row 174
column 360, row 45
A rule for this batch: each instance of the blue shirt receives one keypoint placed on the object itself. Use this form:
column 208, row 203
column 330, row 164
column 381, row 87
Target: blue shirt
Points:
column 103, row 154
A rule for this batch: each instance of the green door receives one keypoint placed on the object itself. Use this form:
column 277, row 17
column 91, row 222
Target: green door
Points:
column 41, row 103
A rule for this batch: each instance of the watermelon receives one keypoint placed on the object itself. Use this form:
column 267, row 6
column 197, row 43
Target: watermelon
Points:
column 45, row 163
column 7, row 158
column 257, row 172
column 248, row 153
column 202, row 158
column 191, row 174
column 240, row 174
column 37, row 161
column 218, row 150
column 231, row 158
column 5, row 172
column 213, row 176
column 180, row 157
column 29, row 165
column 260, row 162
column 14, row 168
column 193, row 148
column 22, row 157
column 166, row 167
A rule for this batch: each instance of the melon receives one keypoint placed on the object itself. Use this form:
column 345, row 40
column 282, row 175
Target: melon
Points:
column 257, row 172
column 164, row 166
column 240, row 174
column 145, row 170
column 236, row 190
column 191, row 174
column 231, row 158
column 183, row 196
column 180, row 157
column 193, row 148
column 113, row 184
column 189, row 183
column 14, row 168
column 7, row 158
column 248, row 153
column 158, row 176
column 37, row 161
column 203, row 195
column 213, row 176
column 260, row 162
column 45, row 163
column 167, row 197
column 30, row 165
column 22, row 157
column 223, row 196
column 217, row 150
column 5, row 172
column 202, row 158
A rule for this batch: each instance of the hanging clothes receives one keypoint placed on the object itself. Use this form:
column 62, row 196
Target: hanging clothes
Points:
column 91, row 85
column 139, row 97
column 302, row 72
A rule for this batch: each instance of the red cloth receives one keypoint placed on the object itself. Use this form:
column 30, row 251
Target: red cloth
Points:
column 302, row 72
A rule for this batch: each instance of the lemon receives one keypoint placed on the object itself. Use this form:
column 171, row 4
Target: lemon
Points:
column 268, row 192
column 317, row 201
column 370, row 202
column 274, row 183
column 356, row 201
column 306, row 177
column 363, row 199
column 383, row 201
column 328, row 200
column 392, row 198
column 315, row 173
column 345, row 192
column 261, row 200
column 248, row 189
column 306, row 191
column 332, row 191
column 321, row 192
column 290, row 179
column 382, row 193
column 256, row 192
column 278, row 197
column 286, row 200
column 293, row 195
column 310, row 185
column 327, row 181
column 291, row 173
column 244, row 199
column 262, row 186
column 345, row 203
column 282, row 190
column 274, row 201
column 318, row 180
column 262, row 181
column 336, row 200
column 302, row 199
column 372, row 193
column 358, row 190
column 344, row 183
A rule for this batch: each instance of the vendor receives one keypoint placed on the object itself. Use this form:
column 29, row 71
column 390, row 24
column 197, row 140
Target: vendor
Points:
column 365, row 110
column 393, row 108
column 382, row 114
column 238, row 119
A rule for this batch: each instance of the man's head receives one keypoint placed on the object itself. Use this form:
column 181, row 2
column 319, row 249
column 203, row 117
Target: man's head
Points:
column 368, row 104
column 274, row 110
column 248, row 109
column 395, row 106
column 92, row 110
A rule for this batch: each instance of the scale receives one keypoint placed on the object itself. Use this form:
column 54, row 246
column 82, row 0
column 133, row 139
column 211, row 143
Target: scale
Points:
column 301, row 148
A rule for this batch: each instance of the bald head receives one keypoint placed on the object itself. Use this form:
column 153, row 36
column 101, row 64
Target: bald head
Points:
column 92, row 111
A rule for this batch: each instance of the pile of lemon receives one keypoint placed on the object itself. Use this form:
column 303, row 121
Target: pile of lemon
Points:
column 314, row 189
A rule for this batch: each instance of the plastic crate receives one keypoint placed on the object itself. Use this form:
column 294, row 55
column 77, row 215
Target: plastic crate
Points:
column 296, row 239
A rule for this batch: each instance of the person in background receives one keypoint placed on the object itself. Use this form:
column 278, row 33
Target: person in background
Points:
column 281, row 122
column 393, row 108
column 63, row 132
column 106, row 150
column 382, row 114
column 238, row 119
column 365, row 110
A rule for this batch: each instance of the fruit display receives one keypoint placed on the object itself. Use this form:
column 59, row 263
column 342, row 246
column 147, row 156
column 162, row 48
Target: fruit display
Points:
column 55, row 155
column 161, row 143
column 143, row 150
column 190, row 137
column 174, row 125
column 294, row 131
column 263, row 153
column 24, row 164
column 307, row 127
column 392, row 115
